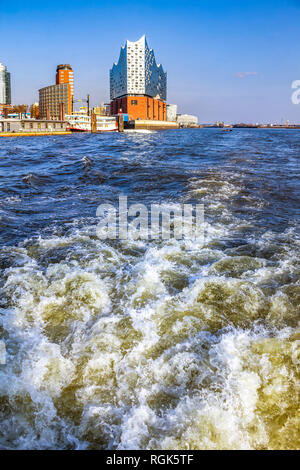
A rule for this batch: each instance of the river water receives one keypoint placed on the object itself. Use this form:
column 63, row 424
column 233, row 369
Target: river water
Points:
column 159, row 344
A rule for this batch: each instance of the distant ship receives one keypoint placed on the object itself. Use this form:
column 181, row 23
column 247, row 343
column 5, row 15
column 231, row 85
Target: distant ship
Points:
column 82, row 123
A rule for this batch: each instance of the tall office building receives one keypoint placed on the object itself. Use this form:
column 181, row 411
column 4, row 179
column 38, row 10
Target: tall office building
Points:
column 65, row 74
column 56, row 100
column 5, row 88
column 138, row 86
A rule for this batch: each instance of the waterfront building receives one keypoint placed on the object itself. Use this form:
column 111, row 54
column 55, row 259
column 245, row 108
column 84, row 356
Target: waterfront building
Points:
column 65, row 74
column 171, row 112
column 56, row 100
column 5, row 87
column 138, row 86
column 186, row 120
column 28, row 126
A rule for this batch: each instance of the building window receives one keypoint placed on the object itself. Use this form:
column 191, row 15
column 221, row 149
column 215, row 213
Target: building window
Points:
column 134, row 102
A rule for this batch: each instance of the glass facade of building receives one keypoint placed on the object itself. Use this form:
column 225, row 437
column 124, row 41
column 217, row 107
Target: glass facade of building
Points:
column 5, row 87
column 137, row 73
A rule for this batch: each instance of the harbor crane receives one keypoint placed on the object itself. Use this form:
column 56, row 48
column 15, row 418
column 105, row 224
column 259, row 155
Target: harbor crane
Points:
column 80, row 100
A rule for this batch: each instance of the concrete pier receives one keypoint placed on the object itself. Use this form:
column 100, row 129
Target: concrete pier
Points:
column 33, row 134
column 152, row 125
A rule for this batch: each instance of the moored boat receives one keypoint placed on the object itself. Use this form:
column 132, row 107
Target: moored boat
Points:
column 82, row 123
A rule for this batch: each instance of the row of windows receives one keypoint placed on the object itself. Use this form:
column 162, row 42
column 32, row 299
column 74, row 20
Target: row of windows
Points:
column 57, row 99
column 33, row 126
column 45, row 125
column 55, row 102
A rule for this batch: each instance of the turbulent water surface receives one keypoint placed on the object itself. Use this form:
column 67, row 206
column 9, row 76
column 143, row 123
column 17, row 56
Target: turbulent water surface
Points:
column 150, row 344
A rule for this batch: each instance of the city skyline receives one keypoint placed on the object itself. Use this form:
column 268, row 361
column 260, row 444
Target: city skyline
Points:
column 227, row 62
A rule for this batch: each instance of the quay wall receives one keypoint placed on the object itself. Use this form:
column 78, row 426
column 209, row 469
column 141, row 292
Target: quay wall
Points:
column 32, row 134
column 152, row 125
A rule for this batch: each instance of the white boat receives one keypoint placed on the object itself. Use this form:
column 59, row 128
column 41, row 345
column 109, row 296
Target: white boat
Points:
column 82, row 123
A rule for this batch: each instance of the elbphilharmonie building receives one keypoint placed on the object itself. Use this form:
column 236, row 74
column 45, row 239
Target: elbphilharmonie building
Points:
column 138, row 85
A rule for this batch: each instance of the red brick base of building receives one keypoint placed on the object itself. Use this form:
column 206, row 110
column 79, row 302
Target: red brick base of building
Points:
column 140, row 107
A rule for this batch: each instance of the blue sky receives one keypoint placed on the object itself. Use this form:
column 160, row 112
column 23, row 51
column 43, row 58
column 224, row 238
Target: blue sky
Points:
column 232, row 60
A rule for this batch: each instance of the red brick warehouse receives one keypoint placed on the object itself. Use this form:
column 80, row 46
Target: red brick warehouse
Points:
column 140, row 107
